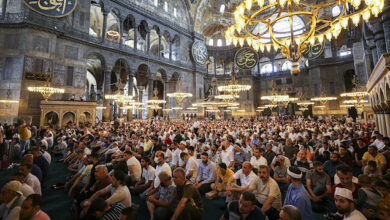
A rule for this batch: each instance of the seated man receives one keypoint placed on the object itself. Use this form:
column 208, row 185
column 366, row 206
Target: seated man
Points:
column 79, row 177
column 247, row 179
column 118, row 189
column 219, row 187
column 318, row 186
column 186, row 201
column 29, row 178
column 344, row 172
column 245, row 208
column 31, row 209
column 134, row 167
column 268, row 193
column 12, row 199
column 42, row 163
column 290, row 212
column 191, row 166
column 206, row 174
column 345, row 204
column 280, row 173
column 103, row 211
column 147, row 178
column 257, row 159
column 129, row 213
column 159, row 203
column 239, row 157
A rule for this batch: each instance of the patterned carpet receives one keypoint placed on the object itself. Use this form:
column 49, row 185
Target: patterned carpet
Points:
column 57, row 203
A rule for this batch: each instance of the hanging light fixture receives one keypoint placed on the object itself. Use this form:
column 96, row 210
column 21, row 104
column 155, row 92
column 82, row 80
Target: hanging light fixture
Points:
column 155, row 101
column 8, row 101
column 323, row 99
column 47, row 90
column 233, row 87
column 179, row 95
column 270, row 24
column 357, row 94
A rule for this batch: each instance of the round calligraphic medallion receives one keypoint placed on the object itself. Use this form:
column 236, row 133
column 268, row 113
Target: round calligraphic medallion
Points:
column 246, row 58
column 313, row 52
column 199, row 52
column 52, row 8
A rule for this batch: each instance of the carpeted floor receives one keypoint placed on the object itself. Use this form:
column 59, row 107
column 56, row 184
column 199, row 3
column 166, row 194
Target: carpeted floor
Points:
column 57, row 203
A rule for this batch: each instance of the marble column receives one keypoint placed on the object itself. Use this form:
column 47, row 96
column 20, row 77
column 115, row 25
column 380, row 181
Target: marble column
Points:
column 150, row 96
column 384, row 129
column 170, row 50
column 107, row 113
column 135, row 37
column 130, row 92
column 166, row 86
column 159, row 45
column 105, row 13
column 376, row 122
column 148, row 42
column 140, row 96
column 386, row 26
column 387, row 120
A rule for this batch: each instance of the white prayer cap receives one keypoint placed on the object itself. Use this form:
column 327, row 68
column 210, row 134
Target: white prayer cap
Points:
column 183, row 142
column 346, row 193
column 294, row 172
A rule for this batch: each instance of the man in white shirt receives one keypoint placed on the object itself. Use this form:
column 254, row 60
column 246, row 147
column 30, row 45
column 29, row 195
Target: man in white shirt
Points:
column 25, row 188
column 147, row 178
column 247, row 179
column 159, row 159
column 191, row 166
column 119, row 192
column 227, row 157
column 378, row 142
column 175, row 155
column 29, row 178
column 346, row 206
column 257, row 159
column 134, row 167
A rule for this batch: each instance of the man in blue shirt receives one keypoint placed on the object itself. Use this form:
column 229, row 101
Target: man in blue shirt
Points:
column 244, row 209
column 207, row 173
column 297, row 194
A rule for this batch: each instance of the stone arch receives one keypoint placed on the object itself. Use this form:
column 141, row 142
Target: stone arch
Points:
column 175, row 47
column 154, row 40
column 142, row 75
column 68, row 117
column 119, row 72
column 96, row 18
column 52, row 118
column 387, row 92
column 163, row 74
column 165, row 39
column 129, row 26
column 113, row 25
column 143, row 30
column 348, row 79
column 96, row 64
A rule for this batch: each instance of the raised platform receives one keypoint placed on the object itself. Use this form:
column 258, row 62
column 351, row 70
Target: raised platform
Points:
column 59, row 113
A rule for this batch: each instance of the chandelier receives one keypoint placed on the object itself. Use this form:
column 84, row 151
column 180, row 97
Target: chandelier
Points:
column 319, row 106
column 100, row 108
column 46, row 91
column 155, row 101
column 120, row 99
column 233, row 87
column 272, row 24
column 9, row 101
column 347, row 106
column 357, row 94
column 192, row 108
column 179, row 95
column 323, row 99
column 305, row 104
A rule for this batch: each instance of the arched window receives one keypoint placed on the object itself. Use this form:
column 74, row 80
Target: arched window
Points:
column 166, row 6
column 156, row 3
column 286, row 66
column 211, row 42
column 222, row 9
column 267, row 68
column 95, row 21
column 112, row 32
column 336, row 11
column 219, row 43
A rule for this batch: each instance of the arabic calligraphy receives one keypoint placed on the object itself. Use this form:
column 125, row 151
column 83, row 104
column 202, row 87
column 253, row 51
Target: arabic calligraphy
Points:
column 313, row 52
column 52, row 8
column 246, row 58
column 199, row 52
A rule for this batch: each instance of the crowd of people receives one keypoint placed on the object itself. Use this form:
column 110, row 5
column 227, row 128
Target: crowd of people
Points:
column 265, row 168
